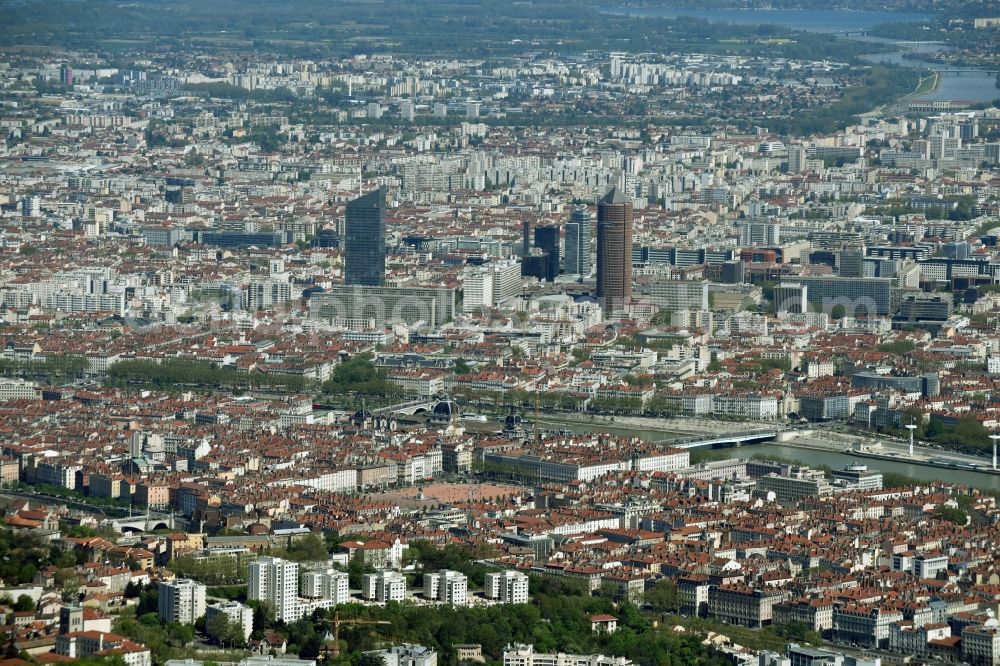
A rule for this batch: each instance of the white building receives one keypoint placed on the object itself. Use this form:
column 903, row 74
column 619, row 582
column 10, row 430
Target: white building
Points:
column 679, row 294
column 238, row 614
column 477, row 289
column 57, row 472
column 993, row 365
column 525, row 655
column 981, row 645
column 450, row 587
column 384, row 586
column 757, row 234
column 510, row 587
column 753, row 407
column 336, row 481
column 275, row 581
column 181, row 600
column 17, row 389
column 31, row 207
column 506, row 279
column 325, row 584
column 928, row 565
column 81, row 644
column 407, row 655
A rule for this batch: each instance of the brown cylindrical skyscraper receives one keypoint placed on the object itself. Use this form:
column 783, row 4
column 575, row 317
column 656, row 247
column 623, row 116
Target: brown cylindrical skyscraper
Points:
column 614, row 249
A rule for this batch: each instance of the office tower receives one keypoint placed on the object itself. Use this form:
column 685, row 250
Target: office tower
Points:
column 535, row 265
column 678, row 294
column 955, row 250
column 944, row 146
column 791, row 297
column 525, row 238
column 796, row 159
column 385, row 305
column 477, row 289
column 754, row 234
column 365, row 240
column 66, row 75
column 506, row 279
column 31, row 207
column 731, row 272
column 181, row 600
column 275, row 581
column 547, row 240
column 851, row 264
column 859, row 297
column 490, row 284
column 992, row 152
column 925, row 307
column 578, row 233
column 614, row 249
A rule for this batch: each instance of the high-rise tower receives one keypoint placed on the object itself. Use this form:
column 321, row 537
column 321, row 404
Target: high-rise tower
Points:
column 547, row 239
column 364, row 253
column 579, row 231
column 614, row 249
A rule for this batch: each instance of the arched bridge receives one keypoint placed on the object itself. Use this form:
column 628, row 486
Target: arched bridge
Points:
column 149, row 522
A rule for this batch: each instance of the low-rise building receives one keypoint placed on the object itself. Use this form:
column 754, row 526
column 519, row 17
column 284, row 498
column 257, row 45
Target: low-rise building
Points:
column 525, row 655
column 743, row 605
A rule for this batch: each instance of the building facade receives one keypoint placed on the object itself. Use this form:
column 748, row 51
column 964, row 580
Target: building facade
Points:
column 364, row 251
column 614, row 249
column 181, row 600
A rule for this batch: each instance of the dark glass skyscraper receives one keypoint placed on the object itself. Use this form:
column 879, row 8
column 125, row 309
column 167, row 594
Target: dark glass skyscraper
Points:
column 547, row 240
column 614, row 249
column 579, row 230
column 364, row 240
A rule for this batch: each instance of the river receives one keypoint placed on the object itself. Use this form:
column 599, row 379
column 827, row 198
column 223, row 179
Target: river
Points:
column 811, row 457
column 972, row 86
column 809, row 20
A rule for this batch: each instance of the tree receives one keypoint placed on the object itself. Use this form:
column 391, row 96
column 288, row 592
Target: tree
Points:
column 951, row 514
column 263, row 617
column 662, row 597
column 180, row 633
column 223, row 631
column 148, row 600
column 24, row 604
column 461, row 367
column 371, row 659
column 311, row 547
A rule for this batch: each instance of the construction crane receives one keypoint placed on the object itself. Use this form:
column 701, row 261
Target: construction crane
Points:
column 336, row 622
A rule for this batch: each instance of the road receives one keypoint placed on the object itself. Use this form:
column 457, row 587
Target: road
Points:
column 104, row 510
